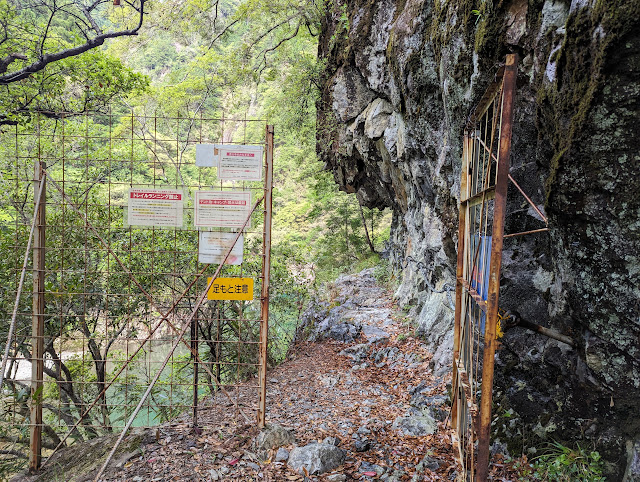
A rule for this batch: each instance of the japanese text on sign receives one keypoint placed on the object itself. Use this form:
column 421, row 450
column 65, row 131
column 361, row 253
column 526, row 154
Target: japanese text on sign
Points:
column 240, row 163
column 155, row 207
column 231, row 289
column 213, row 247
column 222, row 208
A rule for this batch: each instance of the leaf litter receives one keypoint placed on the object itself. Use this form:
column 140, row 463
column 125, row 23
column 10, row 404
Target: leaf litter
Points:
column 319, row 393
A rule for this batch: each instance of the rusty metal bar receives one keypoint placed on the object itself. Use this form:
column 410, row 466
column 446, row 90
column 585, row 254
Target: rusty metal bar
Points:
column 474, row 294
column 484, row 195
column 545, row 331
column 194, row 349
column 524, row 194
column 266, row 271
column 510, row 74
column 533, row 231
column 37, row 324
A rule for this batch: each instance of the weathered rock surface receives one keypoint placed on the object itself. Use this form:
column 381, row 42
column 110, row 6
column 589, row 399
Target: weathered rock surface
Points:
column 316, row 458
column 632, row 473
column 282, row 455
column 400, row 81
column 416, row 425
column 274, row 436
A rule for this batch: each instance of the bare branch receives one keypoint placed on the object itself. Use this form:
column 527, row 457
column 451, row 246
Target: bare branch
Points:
column 94, row 24
column 275, row 47
column 224, row 30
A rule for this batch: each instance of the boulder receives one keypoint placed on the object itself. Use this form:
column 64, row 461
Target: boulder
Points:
column 316, row 458
column 273, row 437
column 416, row 425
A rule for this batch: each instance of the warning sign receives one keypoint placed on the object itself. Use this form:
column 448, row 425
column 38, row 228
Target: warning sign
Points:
column 222, row 209
column 213, row 247
column 155, row 207
column 240, row 163
column 231, row 289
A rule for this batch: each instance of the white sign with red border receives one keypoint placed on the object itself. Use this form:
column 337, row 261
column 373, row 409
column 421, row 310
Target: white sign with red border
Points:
column 222, row 209
column 240, row 162
column 155, row 207
column 213, row 246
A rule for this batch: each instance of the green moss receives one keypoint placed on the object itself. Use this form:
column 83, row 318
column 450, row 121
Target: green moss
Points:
column 489, row 34
column 565, row 105
column 443, row 28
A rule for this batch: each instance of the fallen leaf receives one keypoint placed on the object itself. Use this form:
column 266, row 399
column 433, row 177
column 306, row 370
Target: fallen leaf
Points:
column 234, row 461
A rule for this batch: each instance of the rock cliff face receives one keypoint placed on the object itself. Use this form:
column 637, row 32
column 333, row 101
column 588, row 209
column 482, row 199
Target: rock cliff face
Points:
column 401, row 78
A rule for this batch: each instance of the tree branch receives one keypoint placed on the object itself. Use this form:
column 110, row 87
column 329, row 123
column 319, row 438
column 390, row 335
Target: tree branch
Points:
column 12, row 57
column 94, row 25
column 92, row 43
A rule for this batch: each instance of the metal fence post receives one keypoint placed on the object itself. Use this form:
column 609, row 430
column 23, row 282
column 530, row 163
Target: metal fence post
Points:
column 502, row 183
column 37, row 321
column 266, row 270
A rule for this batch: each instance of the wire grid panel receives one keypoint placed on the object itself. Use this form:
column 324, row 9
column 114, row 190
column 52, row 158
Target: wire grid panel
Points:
column 483, row 194
column 108, row 285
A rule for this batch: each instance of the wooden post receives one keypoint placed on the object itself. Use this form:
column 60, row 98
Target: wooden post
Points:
column 502, row 183
column 266, row 270
column 37, row 320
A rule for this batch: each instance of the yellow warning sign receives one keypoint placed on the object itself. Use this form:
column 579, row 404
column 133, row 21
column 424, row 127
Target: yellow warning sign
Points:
column 230, row 289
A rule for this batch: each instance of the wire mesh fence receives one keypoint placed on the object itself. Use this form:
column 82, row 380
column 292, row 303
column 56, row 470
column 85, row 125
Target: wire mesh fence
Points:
column 118, row 290
column 485, row 171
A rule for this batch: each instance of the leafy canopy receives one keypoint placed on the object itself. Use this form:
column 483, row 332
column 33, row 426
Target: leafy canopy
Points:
column 51, row 60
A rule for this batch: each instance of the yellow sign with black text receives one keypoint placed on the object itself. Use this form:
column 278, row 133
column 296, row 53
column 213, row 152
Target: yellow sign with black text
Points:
column 231, row 289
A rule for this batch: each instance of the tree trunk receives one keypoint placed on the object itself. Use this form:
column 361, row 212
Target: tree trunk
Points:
column 366, row 230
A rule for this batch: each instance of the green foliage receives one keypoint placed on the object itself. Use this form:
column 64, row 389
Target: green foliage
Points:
column 383, row 272
column 563, row 464
column 75, row 83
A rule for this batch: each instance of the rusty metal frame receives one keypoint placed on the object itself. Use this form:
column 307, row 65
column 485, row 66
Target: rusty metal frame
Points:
column 483, row 194
column 162, row 316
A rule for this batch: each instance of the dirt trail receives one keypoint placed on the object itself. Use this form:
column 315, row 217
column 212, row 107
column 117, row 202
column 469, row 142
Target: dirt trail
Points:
column 364, row 384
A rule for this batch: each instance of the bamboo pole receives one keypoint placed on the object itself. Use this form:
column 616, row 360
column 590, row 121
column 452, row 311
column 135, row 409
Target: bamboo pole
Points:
column 37, row 320
column 266, row 270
